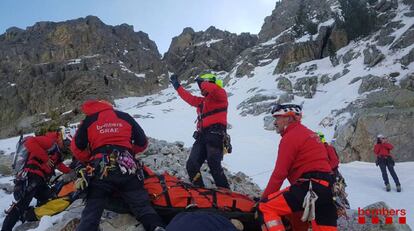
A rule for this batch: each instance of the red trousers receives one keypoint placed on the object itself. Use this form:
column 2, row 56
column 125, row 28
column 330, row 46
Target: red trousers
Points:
column 288, row 203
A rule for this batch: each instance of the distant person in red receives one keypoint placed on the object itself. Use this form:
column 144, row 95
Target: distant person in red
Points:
column 44, row 156
column 332, row 155
column 384, row 160
column 302, row 158
column 211, row 128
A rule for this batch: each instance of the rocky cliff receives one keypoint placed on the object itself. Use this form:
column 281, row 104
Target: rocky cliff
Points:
column 192, row 53
column 49, row 68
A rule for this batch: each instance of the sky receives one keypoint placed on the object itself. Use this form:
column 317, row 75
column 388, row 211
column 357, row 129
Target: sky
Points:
column 160, row 19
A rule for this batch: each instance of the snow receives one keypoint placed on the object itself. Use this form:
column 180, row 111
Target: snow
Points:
column 208, row 43
column 74, row 61
column 140, row 75
column 125, row 69
column 273, row 40
column 306, row 37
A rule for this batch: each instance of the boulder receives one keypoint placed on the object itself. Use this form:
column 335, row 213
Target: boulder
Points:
column 256, row 104
column 371, row 82
column 306, row 86
column 325, row 79
column 268, row 123
column 284, row 84
column 372, row 56
column 407, row 59
column 350, row 55
column 406, row 40
column 408, row 82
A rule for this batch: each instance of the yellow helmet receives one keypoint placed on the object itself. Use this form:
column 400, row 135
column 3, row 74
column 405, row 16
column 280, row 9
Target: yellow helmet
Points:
column 212, row 78
column 321, row 136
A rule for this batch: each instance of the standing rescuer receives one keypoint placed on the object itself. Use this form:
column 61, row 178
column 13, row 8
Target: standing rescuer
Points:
column 382, row 150
column 211, row 128
column 303, row 160
column 107, row 141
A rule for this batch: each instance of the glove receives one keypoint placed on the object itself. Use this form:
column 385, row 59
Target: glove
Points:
column 174, row 81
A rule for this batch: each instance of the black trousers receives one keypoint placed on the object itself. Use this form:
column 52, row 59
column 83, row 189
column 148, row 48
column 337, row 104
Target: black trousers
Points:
column 37, row 188
column 385, row 163
column 132, row 192
column 208, row 146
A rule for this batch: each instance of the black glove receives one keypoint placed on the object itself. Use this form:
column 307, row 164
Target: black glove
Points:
column 174, row 81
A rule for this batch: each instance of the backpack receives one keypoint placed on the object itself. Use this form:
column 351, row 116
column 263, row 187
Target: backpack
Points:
column 20, row 156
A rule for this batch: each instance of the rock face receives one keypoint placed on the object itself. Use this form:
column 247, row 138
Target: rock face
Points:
column 389, row 112
column 275, row 24
column 192, row 53
column 52, row 67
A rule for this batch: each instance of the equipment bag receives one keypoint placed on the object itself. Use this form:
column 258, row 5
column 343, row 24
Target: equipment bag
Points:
column 20, row 156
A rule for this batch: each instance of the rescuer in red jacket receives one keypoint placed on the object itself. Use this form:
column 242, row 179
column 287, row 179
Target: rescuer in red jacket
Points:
column 43, row 158
column 302, row 159
column 382, row 150
column 107, row 140
column 332, row 155
column 211, row 128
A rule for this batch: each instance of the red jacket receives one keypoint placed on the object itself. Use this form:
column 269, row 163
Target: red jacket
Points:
column 105, row 126
column 383, row 149
column 41, row 149
column 333, row 156
column 300, row 151
column 216, row 98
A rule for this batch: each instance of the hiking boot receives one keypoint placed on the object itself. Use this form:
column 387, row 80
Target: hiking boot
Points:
column 388, row 187
column 158, row 228
column 398, row 188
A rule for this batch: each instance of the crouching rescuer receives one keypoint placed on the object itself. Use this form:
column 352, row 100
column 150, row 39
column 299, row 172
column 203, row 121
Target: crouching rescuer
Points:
column 303, row 160
column 37, row 159
column 107, row 141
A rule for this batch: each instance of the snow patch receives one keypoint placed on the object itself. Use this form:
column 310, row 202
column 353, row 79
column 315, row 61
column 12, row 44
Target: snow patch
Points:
column 208, row 43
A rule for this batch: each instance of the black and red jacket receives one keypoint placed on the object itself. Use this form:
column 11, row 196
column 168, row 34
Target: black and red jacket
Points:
column 300, row 151
column 41, row 149
column 104, row 126
column 215, row 99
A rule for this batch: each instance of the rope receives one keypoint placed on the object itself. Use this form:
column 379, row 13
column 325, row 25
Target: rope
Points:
column 261, row 173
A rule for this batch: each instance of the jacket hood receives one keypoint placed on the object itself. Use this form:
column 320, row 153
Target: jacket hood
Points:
column 93, row 106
